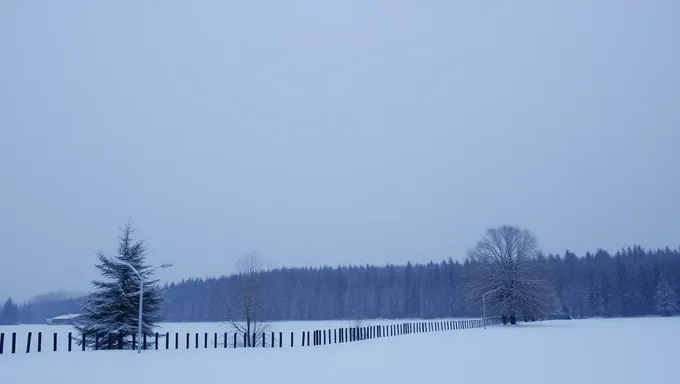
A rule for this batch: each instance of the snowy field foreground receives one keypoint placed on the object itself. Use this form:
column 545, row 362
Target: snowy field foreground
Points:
column 581, row 351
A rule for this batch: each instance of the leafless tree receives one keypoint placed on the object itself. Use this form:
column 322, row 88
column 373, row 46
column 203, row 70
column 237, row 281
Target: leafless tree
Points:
column 246, row 308
column 506, row 276
column 355, row 304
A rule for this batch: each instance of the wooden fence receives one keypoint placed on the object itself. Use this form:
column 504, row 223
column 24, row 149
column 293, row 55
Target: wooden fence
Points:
column 237, row 340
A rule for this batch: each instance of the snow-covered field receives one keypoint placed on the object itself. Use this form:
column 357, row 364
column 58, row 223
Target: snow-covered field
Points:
column 582, row 351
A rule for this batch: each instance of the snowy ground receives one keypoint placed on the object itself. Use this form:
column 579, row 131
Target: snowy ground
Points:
column 618, row 351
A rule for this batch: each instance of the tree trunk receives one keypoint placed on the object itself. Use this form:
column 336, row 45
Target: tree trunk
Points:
column 248, row 331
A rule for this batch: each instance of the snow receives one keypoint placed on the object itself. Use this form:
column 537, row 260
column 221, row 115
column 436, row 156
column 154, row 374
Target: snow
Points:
column 65, row 317
column 579, row 351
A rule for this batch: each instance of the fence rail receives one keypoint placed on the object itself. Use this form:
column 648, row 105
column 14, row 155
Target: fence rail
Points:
column 215, row 340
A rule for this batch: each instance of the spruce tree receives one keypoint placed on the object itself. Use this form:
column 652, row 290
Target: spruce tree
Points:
column 112, row 307
column 666, row 299
column 10, row 313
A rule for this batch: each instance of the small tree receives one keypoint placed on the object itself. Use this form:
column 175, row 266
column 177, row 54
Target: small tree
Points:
column 113, row 306
column 10, row 313
column 666, row 299
column 246, row 309
column 355, row 306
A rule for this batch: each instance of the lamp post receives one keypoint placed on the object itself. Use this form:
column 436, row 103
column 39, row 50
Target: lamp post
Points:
column 141, row 299
column 484, row 303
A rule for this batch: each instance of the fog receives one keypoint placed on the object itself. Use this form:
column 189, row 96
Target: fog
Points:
column 330, row 132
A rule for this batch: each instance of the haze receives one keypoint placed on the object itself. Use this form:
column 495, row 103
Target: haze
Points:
column 320, row 132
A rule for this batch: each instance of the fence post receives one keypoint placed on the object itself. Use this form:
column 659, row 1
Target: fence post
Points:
column 254, row 339
column 196, row 341
column 205, row 341
column 215, row 346
column 54, row 337
column 156, row 341
column 292, row 339
column 144, row 341
column 273, row 342
column 303, row 338
column 264, row 340
column 70, row 341
column 187, row 340
column 83, row 342
column 226, row 342
column 28, row 343
column 281, row 339
column 2, row 343
column 245, row 340
column 39, row 342
column 324, row 337
column 167, row 340
column 120, row 341
column 14, row 342
column 235, row 335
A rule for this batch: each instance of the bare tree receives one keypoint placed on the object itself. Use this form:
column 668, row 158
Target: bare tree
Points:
column 246, row 309
column 506, row 276
column 355, row 307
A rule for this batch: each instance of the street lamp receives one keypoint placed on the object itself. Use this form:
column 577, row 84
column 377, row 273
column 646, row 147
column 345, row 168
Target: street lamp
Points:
column 484, row 303
column 141, row 299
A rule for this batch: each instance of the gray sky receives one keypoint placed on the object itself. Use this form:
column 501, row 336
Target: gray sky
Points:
column 330, row 132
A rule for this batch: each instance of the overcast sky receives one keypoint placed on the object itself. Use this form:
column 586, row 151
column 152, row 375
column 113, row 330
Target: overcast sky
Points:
column 330, row 132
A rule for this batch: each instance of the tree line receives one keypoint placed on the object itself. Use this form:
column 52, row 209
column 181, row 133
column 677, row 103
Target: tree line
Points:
column 631, row 282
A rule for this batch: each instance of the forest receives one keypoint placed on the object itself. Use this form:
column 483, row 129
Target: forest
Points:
column 630, row 282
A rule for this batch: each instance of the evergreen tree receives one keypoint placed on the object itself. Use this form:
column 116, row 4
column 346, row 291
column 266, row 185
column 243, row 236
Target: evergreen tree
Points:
column 666, row 299
column 10, row 313
column 113, row 306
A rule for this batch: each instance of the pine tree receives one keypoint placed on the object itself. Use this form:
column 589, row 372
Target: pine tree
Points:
column 666, row 299
column 10, row 313
column 113, row 306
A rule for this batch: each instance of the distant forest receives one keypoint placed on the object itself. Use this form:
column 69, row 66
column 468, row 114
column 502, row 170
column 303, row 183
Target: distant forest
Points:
column 631, row 282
